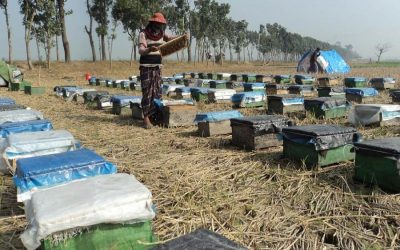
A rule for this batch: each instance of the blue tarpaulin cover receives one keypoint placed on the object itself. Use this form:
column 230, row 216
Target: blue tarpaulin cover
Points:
column 27, row 126
column 362, row 91
column 217, row 116
column 125, row 100
column 49, row 170
column 6, row 101
column 199, row 90
column 335, row 63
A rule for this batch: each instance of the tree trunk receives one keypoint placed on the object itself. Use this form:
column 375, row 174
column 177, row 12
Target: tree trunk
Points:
column 57, row 50
column 101, row 54
column 10, row 54
column 89, row 31
column 133, row 47
column 61, row 12
column 103, row 48
column 189, row 50
column 38, row 48
column 48, row 48
column 28, row 51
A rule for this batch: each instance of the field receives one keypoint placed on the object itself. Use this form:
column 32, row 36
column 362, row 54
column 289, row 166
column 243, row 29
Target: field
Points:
column 255, row 198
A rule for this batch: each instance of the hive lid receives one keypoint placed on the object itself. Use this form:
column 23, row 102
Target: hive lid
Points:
column 320, row 130
column 260, row 119
column 217, row 116
column 390, row 145
column 326, row 101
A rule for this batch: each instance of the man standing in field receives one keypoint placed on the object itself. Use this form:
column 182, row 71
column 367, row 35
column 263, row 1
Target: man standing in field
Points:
column 313, row 61
column 150, row 39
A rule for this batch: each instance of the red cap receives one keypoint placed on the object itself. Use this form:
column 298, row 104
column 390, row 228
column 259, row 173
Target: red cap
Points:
column 158, row 17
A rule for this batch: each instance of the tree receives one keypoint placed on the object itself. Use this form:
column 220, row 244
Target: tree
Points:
column 4, row 6
column 90, row 30
column 99, row 11
column 110, row 41
column 61, row 17
column 381, row 48
column 28, row 9
column 46, row 25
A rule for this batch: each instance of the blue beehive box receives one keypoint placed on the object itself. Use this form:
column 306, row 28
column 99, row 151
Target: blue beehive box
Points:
column 358, row 95
column 216, row 123
column 121, row 104
column 248, row 99
column 49, row 170
column 27, row 126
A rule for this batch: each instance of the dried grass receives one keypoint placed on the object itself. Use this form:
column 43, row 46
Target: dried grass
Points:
column 255, row 198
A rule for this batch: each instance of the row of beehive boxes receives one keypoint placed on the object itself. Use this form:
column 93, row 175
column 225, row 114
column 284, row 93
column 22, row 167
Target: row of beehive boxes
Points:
column 65, row 187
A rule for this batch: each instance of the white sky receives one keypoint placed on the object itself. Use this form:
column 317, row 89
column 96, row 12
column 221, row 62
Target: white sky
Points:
column 362, row 23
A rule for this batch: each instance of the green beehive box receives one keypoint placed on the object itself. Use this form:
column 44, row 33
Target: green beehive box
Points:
column 284, row 104
column 200, row 95
column 203, row 75
column 220, row 84
column 34, row 90
column 355, row 82
column 115, row 84
column 18, row 86
column 282, row 79
column 335, row 92
column 319, row 145
column 212, row 76
column 327, row 107
column 377, row 163
column 138, row 236
column 249, row 78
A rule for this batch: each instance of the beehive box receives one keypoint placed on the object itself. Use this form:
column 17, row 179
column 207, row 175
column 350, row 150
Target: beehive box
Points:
column 248, row 77
column 355, row 82
column 248, row 99
column 92, row 81
column 18, row 86
column 186, row 75
column 169, row 89
column 136, row 236
column 137, row 111
column 212, row 76
column 375, row 114
column 215, row 123
column 395, row 96
column 319, row 145
column 254, row 86
column 233, row 85
column 199, row 94
column 383, row 83
column 280, row 79
column 236, row 77
column 327, row 107
column 9, row 107
column 103, row 101
column 109, row 83
column 335, row 92
column 101, row 82
column 223, row 76
column 194, row 75
column 377, row 163
column 182, row 93
column 284, row 104
column 277, row 89
column 304, row 79
column 203, row 83
column 134, row 85
column 202, row 75
column 178, row 115
column 200, row 239
column 303, row 90
column 328, row 81
column 220, row 84
column 189, row 82
column 121, row 104
column 360, row 95
column 264, row 78
column 256, row 132
column 34, row 90
column 90, row 97
column 220, row 95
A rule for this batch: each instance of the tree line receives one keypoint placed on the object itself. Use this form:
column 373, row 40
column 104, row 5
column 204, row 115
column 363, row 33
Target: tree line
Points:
column 211, row 29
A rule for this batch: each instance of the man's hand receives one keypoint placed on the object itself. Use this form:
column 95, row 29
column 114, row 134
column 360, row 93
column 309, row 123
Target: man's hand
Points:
column 153, row 49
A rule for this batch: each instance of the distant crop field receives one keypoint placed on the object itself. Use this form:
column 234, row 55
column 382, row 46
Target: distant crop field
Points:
column 255, row 198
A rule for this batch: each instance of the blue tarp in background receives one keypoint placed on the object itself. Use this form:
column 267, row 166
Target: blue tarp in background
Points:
column 336, row 64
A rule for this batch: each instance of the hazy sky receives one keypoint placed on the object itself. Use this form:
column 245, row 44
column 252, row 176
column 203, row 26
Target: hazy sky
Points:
column 362, row 23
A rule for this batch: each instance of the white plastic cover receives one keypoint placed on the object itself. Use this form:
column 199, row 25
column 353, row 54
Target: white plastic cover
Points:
column 366, row 114
column 324, row 64
column 20, row 115
column 221, row 94
column 29, row 144
column 116, row 198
